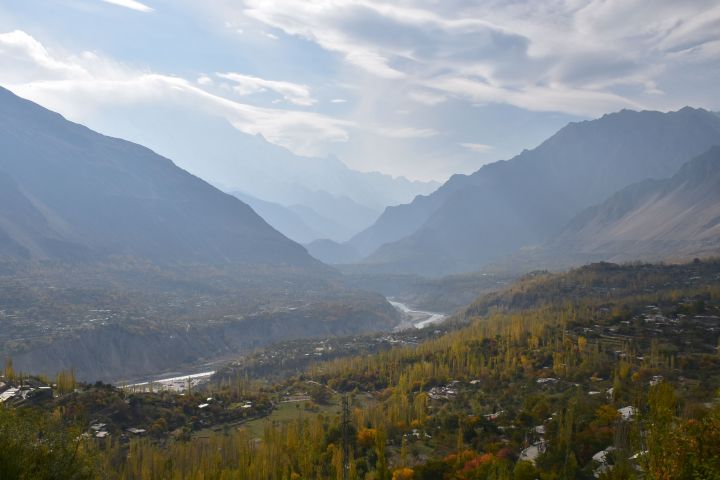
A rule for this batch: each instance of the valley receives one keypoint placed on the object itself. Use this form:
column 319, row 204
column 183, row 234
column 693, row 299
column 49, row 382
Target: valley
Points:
column 598, row 355
column 359, row 240
column 474, row 222
column 143, row 323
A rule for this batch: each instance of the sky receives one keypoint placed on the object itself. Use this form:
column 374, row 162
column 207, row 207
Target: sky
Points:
column 422, row 89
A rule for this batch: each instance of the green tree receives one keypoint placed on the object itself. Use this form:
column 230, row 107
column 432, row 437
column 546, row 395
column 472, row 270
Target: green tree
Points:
column 34, row 447
column 525, row 471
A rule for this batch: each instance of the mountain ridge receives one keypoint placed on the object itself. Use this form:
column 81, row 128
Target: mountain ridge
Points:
column 653, row 219
column 213, row 149
column 85, row 191
column 474, row 220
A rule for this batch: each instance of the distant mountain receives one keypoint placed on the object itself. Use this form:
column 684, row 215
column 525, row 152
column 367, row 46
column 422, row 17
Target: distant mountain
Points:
column 338, row 218
column 211, row 148
column 476, row 219
column 331, row 252
column 675, row 218
column 304, row 225
column 325, row 227
column 69, row 193
column 282, row 219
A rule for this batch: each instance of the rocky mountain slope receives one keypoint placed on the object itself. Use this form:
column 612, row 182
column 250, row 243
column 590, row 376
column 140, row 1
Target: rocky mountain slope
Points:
column 474, row 220
column 70, row 193
column 676, row 218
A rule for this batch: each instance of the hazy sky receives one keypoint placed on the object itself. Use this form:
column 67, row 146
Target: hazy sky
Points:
column 421, row 88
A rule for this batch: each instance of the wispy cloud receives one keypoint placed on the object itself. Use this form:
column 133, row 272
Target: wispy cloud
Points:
column 407, row 132
column 247, row 85
column 477, row 147
column 409, row 69
column 76, row 85
column 582, row 57
column 427, row 97
column 204, row 80
column 131, row 4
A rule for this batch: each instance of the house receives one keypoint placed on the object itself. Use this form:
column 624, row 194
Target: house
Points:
column 97, row 427
column 627, row 412
column 8, row 394
column 602, row 459
column 443, row 393
column 547, row 381
column 602, row 456
column 531, row 453
column 493, row 416
column 418, row 435
column 610, row 393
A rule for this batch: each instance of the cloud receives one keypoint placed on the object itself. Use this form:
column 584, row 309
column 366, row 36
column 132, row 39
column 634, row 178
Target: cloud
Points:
column 586, row 57
column 21, row 57
column 338, row 100
column 247, row 85
column 477, row 147
column 407, row 132
column 131, row 4
column 427, row 60
column 234, row 27
column 77, row 85
column 553, row 98
column 427, row 98
column 322, row 23
column 204, row 80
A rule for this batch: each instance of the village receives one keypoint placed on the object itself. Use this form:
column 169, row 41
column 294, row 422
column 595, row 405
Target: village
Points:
column 287, row 358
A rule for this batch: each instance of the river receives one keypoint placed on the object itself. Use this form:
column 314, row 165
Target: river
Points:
column 176, row 384
column 416, row 318
column 411, row 318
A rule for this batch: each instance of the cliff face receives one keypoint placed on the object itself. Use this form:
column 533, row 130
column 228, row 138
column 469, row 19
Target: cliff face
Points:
column 113, row 353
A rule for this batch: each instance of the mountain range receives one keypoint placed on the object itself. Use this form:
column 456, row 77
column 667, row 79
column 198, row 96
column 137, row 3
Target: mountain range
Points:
column 70, row 194
column 115, row 261
column 675, row 218
column 236, row 162
column 474, row 220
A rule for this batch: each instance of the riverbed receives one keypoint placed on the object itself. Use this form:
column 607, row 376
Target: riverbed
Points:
column 175, row 384
column 411, row 319
column 416, row 318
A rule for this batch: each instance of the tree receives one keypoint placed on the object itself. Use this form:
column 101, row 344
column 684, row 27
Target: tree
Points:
column 9, row 370
column 403, row 473
column 663, row 456
column 606, row 415
column 366, row 437
column 432, row 470
column 66, row 381
column 525, row 470
column 381, row 466
column 36, row 447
